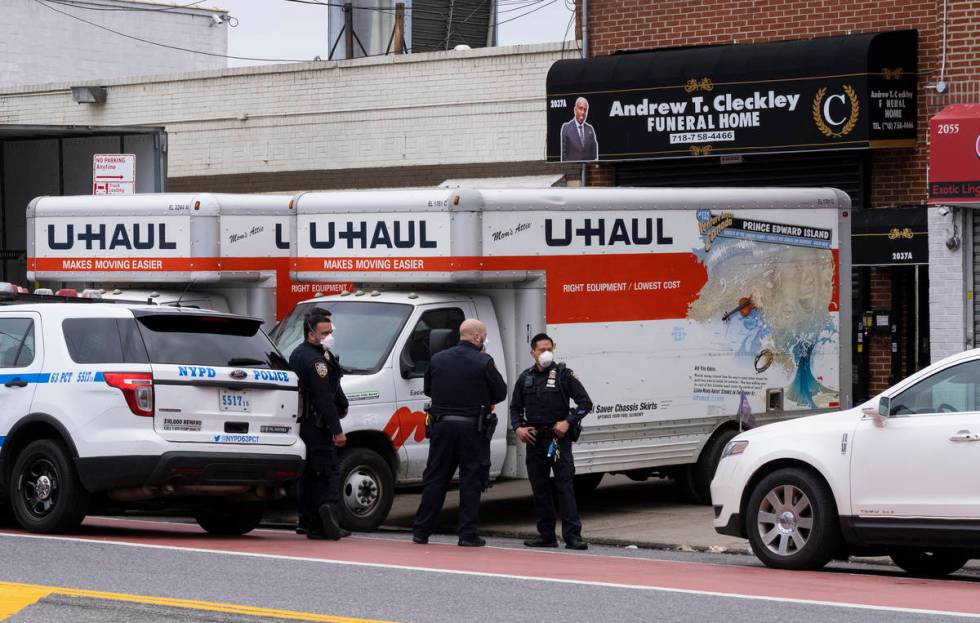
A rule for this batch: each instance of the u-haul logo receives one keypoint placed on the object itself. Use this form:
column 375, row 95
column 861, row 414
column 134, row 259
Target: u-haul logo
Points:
column 601, row 232
column 107, row 237
column 408, row 234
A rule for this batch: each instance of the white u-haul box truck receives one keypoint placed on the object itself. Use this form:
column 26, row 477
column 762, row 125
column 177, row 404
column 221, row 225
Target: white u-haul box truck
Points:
column 669, row 304
column 227, row 252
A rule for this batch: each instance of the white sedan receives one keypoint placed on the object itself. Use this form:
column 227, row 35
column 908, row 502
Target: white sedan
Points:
column 898, row 475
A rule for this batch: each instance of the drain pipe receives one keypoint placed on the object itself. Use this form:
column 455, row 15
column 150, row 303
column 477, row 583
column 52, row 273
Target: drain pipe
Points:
column 585, row 54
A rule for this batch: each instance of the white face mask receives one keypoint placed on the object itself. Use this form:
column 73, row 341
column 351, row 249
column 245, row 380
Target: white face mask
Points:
column 328, row 342
column 546, row 358
column 486, row 341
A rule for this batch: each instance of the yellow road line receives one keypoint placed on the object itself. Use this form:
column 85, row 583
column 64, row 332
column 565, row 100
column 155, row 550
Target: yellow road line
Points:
column 15, row 597
column 13, row 601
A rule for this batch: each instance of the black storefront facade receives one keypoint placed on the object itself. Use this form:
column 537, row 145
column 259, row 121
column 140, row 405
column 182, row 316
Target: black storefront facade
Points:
column 793, row 113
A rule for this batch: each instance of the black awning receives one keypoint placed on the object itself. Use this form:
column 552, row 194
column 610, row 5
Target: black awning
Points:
column 884, row 236
column 829, row 93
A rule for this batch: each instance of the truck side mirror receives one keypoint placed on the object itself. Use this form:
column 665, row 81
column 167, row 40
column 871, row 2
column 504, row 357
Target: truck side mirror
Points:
column 406, row 365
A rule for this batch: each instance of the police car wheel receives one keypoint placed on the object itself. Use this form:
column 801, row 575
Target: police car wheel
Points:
column 229, row 519
column 47, row 495
column 367, row 489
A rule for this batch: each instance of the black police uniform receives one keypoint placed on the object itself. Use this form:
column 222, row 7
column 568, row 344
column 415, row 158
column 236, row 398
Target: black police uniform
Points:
column 462, row 382
column 322, row 403
column 540, row 400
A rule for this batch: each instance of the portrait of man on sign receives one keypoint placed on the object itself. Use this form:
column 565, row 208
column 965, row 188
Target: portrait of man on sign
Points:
column 578, row 141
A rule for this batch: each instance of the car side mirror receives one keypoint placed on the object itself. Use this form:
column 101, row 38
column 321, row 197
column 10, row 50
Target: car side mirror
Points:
column 880, row 414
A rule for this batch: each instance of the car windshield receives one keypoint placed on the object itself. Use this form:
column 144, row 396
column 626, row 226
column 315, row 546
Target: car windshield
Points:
column 364, row 332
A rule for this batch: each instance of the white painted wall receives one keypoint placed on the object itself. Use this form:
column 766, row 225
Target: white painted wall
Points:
column 484, row 105
column 39, row 45
column 950, row 284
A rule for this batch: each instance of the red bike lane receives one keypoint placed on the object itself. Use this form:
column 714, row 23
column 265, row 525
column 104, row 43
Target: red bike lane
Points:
column 883, row 591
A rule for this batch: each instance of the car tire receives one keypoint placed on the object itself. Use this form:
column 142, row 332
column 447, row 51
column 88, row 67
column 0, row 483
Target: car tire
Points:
column 791, row 520
column 695, row 480
column 367, row 489
column 586, row 484
column 929, row 563
column 229, row 518
column 45, row 493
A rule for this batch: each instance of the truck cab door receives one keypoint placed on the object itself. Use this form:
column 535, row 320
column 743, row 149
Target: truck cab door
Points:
column 20, row 366
column 412, row 360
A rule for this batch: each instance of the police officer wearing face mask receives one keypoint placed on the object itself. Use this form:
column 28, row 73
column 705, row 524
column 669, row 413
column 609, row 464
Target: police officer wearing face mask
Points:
column 540, row 416
column 464, row 385
column 322, row 404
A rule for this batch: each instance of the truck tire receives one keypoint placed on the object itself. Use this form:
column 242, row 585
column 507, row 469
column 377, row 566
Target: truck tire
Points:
column 695, row 480
column 45, row 493
column 367, row 489
column 929, row 563
column 229, row 518
column 791, row 520
column 586, row 484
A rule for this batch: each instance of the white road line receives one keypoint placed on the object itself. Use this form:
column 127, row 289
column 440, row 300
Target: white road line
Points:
column 507, row 576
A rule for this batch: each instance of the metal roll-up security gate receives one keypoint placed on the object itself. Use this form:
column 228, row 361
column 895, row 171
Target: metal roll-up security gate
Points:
column 844, row 170
column 975, row 243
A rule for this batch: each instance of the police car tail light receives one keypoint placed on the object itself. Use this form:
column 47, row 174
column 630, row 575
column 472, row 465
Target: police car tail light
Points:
column 137, row 388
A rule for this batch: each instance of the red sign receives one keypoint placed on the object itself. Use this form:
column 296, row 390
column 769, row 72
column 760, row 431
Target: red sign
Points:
column 954, row 155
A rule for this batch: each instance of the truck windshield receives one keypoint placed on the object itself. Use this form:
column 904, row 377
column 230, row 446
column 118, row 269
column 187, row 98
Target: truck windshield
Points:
column 208, row 341
column 364, row 332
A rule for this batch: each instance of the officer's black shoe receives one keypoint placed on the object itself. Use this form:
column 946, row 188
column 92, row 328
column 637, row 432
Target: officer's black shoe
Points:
column 540, row 541
column 472, row 542
column 576, row 543
column 331, row 529
column 344, row 533
column 420, row 540
column 302, row 524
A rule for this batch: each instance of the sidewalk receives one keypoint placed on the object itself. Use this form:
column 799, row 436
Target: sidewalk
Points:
column 619, row 512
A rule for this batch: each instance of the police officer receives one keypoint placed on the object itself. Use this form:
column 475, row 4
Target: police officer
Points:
column 464, row 385
column 323, row 403
column 539, row 415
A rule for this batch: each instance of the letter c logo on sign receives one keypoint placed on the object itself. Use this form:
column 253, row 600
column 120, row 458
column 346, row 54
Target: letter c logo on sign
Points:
column 976, row 146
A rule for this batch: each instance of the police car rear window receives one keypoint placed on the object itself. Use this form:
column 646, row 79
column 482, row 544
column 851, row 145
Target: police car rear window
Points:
column 208, row 341
column 104, row 340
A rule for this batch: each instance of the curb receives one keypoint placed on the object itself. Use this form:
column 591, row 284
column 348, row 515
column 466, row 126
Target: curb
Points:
column 883, row 561
column 519, row 534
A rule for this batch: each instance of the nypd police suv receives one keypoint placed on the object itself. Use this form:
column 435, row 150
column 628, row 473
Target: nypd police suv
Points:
column 111, row 406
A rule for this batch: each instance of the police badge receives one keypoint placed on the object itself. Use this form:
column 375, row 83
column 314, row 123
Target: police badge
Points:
column 321, row 369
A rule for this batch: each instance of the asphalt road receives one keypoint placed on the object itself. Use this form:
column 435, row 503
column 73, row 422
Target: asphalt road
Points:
column 136, row 571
